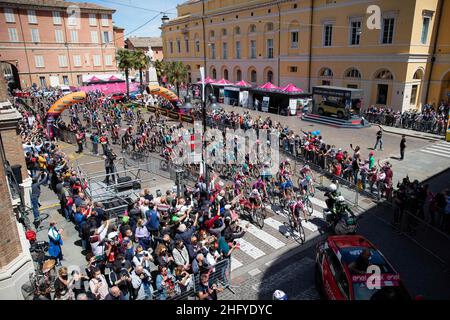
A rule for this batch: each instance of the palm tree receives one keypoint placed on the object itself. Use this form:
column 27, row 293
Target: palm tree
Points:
column 177, row 73
column 125, row 62
column 160, row 68
column 141, row 62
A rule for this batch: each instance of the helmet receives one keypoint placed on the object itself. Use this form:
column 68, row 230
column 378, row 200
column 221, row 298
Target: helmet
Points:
column 255, row 191
column 340, row 199
column 332, row 187
column 308, row 178
column 306, row 167
column 279, row 295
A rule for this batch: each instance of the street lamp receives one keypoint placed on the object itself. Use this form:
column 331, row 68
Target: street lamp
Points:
column 164, row 19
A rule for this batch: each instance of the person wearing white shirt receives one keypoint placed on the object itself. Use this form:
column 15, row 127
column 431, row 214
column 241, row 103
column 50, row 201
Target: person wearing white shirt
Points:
column 98, row 247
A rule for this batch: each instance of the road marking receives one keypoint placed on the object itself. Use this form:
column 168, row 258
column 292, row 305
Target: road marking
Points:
column 49, row 206
column 317, row 214
column 254, row 272
column 438, row 149
column 235, row 263
column 309, row 225
column 436, row 153
column 264, row 236
column 250, row 249
column 274, row 224
column 318, row 202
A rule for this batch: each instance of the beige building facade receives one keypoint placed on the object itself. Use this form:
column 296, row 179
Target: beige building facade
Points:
column 396, row 51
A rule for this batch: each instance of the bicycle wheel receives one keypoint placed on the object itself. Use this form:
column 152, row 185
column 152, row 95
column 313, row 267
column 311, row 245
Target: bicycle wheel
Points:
column 260, row 214
column 309, row 206
column 300, row 233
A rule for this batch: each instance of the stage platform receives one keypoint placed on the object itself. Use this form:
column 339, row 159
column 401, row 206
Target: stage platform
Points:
column 354, row 123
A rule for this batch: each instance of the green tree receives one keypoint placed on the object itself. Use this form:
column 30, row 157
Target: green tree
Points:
column 141, row 62
column 176, row 74
column 126, row 62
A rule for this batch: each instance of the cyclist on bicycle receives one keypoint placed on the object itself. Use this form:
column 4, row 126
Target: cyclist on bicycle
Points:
column 260, row 185
column 306, row 185
column 255, row 199
column 306, row 171
column 296, row 206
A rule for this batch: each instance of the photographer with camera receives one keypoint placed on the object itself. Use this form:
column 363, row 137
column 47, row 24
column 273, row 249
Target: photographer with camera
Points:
column 110, row 168
column 120, row 277
column 142, row 258
column 141, row 282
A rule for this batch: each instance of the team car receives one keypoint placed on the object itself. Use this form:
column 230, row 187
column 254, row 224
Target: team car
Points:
column 351, row 268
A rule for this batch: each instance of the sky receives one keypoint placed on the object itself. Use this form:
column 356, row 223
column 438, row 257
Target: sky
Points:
column 132, row 14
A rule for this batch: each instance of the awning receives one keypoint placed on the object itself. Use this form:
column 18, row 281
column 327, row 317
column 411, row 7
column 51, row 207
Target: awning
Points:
column 269, row 86
column 291, row 88
column 242, row 83
column 222, row 82
column 208, row 80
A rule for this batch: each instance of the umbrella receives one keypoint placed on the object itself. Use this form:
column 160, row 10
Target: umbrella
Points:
column 113, row 78
column 269, row 86
column 242, row 83
column 291, row 88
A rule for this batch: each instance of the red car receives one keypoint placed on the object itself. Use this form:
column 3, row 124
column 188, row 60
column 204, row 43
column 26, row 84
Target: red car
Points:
column 344, row 267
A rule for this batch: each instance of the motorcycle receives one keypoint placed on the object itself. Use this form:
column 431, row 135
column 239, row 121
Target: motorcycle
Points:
column 341, row 223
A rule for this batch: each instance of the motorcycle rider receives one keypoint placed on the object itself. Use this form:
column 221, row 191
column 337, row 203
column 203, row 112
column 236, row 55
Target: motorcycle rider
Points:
column 332, row 195
column 344, row 222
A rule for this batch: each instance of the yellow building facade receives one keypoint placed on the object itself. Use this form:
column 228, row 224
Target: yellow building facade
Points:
column 398, row 52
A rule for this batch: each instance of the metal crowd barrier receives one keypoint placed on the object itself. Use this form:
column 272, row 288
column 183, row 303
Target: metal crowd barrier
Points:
column 219, row 274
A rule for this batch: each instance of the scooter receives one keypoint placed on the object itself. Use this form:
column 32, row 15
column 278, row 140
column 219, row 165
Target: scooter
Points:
column 340, row 223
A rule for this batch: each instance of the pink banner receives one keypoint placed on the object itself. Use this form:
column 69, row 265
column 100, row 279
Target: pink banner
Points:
column 110, row 88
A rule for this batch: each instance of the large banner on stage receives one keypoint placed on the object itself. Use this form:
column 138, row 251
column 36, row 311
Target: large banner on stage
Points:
column 63, row 103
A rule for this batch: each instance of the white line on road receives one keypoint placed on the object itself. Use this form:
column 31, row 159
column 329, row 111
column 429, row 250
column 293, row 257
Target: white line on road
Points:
column 235, row 263
column 438, row 149
column 264, row 236
column 318, row 202
column 250, row 249
column 254, row 272
column 309, row 225
column 436, row 153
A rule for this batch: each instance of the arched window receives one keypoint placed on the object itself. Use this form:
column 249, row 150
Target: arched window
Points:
column 225, row 74
column 269, row 26
column 253, row 76
column 252, row 28
column 269, row 76
column 237, row 30
column 213, row 73
column 224, row 32
column 418, row 74
column 326, row 72
column 211, row 34
column 384, row 74
column 238, row 75
column 353, row 73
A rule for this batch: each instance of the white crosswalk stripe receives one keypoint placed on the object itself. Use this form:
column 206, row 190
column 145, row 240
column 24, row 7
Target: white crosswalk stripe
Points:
column 235, row 263
column 318, row 202
column 441, row 149
column 250, row 249
column 254, row 252
column 264, row 236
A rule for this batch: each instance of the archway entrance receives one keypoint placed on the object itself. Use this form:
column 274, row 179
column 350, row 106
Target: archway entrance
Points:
column 445, row 88
column 11, row 75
